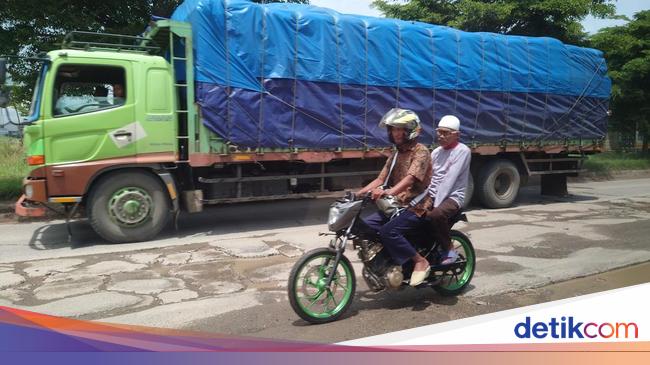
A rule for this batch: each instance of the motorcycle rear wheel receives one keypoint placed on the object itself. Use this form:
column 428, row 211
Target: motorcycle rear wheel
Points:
column 310, row 297
column 453, row 282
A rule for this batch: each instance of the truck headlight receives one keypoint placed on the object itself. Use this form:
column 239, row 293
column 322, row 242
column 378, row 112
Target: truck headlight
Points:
column 29, row 191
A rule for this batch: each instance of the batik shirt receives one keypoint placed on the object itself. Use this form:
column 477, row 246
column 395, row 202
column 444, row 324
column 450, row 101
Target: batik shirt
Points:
column 414, row 160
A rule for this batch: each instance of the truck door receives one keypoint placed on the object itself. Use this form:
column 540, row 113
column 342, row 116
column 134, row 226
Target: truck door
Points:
column 159, row 121
column 90, row 113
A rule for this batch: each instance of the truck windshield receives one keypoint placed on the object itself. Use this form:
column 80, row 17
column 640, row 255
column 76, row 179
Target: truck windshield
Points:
column 35, row 106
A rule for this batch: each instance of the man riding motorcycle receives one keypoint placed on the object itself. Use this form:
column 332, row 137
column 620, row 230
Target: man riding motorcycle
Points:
column 322, row 283
column 406, row 176
column 449, row 175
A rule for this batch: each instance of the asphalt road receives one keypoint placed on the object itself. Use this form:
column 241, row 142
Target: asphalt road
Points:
column 225, row 269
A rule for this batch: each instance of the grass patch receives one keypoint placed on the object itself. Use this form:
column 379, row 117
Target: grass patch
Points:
column 12, row 168
column 604, row 163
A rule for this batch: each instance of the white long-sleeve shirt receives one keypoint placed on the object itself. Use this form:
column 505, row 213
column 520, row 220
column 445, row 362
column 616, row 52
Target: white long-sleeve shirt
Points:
column 450, row 174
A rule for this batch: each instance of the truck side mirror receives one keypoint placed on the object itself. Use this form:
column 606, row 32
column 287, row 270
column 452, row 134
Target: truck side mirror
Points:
column 4, row 99
column 3, row 71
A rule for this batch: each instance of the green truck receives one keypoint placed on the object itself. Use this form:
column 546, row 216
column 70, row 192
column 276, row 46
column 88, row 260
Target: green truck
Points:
column 115, row 127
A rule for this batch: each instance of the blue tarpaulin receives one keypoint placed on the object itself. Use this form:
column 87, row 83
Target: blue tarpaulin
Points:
column 291, row 75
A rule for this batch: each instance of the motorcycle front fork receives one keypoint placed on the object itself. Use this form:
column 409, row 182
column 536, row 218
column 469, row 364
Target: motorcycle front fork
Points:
column 337, row 244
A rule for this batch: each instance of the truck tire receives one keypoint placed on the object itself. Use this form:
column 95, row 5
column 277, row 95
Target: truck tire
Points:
column 499, row 183
column 129, row 206
column 469, row 192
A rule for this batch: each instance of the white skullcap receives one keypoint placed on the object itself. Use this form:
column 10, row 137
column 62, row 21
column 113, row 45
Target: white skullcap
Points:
column 449, row 121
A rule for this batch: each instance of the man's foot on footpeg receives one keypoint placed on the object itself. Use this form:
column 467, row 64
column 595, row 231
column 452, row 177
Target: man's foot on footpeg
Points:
column 449, row 257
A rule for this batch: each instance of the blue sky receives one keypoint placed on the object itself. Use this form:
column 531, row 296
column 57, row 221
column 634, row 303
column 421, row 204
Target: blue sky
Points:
column 591, row 25
column 623, row 7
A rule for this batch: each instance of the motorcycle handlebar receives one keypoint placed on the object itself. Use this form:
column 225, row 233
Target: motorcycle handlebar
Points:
column 349, row 195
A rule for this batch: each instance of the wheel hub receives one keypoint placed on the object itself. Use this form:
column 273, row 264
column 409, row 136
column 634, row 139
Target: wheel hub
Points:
column 502, row 184
column 321, row 284
column 130, row 206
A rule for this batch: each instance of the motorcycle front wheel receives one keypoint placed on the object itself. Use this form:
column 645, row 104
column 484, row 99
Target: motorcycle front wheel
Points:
column 310, row 296
column 454, row 281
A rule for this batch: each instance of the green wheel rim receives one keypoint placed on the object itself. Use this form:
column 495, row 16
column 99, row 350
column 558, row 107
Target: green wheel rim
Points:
column 130, row 206
column 456, row 280
column 313, row 296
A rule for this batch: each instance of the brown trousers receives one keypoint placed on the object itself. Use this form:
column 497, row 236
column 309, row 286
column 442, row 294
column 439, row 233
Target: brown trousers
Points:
column 439, row 218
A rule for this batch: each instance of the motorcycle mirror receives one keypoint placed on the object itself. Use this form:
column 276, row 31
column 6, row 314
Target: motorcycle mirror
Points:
column 3, row 71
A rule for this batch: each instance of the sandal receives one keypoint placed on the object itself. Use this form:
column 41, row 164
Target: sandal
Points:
column 449, row 257
column 418, row 277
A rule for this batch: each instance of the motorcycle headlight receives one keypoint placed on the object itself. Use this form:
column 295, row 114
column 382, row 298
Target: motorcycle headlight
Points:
column 341, row 214
column 334, row 216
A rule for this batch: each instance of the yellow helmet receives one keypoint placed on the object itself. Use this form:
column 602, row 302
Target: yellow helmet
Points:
column 402, row 118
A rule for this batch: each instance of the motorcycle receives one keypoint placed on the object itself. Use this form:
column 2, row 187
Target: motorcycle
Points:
column 322, row 283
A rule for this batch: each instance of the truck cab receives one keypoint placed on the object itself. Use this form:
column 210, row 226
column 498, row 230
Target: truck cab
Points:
column 103, row 111
column 96, row 109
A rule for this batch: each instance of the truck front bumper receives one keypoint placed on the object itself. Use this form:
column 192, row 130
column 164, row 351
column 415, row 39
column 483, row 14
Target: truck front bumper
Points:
column 34, row 192
column 25, row 208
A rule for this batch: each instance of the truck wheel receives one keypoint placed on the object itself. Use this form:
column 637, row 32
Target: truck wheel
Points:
column 499, row 183
column 469, row 191
column 128, row 207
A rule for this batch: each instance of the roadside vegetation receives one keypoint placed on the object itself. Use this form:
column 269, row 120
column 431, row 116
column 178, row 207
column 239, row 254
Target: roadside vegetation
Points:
column 608, row 162
column 12, row 168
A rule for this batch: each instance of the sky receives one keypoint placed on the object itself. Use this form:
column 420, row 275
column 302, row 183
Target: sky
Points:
column 591, row 25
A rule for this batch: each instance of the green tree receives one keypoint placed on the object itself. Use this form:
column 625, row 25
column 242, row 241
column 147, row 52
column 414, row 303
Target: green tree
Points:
column 627, row 50
column 554, row 18
column 30, row 27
